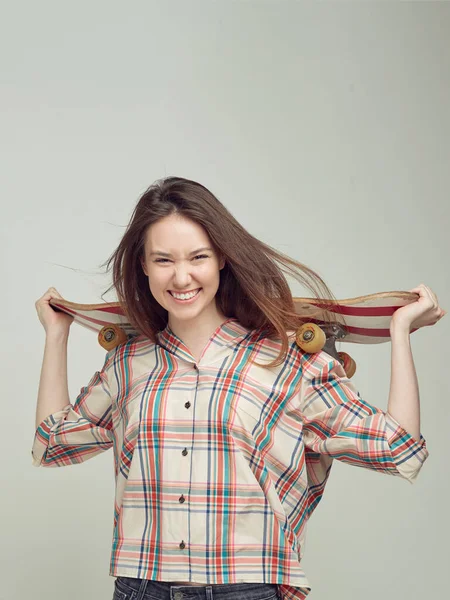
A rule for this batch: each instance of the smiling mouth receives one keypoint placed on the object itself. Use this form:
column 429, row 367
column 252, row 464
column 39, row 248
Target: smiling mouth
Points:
column 190, row 292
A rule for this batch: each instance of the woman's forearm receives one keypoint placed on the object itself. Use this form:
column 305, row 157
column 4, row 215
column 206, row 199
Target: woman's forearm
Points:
column 404, row 400
column 53, row 394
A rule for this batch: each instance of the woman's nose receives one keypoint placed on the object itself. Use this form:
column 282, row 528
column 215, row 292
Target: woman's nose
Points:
column 181, row 277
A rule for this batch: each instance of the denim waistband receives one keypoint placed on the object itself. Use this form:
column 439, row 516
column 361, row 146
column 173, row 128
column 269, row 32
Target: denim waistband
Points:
column 161, row 590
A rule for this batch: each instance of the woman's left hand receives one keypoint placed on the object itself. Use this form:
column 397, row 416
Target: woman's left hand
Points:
column 422, row 313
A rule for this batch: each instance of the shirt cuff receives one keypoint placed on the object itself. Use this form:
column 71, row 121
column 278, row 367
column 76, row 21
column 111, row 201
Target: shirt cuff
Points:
column 408, row 453
column 43, row 432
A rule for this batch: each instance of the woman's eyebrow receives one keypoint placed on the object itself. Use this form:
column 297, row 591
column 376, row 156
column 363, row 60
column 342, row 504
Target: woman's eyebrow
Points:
column 203, row 249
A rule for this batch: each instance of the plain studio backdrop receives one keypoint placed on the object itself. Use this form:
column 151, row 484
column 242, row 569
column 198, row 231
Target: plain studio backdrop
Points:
column 324, row 128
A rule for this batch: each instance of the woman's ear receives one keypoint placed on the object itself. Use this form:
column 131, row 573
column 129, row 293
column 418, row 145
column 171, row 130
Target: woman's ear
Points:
column 144, row 267
column 222, row 263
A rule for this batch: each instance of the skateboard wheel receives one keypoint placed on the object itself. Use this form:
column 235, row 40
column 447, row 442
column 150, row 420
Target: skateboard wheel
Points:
column 348, row 363
column 310, row 338
column 111, row 336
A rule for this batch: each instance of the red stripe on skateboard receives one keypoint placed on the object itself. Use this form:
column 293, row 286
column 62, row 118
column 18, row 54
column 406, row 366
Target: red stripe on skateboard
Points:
column 83, row 316
column 361, row 330
column 117, row 310
column 369, row 332
column 359, row 311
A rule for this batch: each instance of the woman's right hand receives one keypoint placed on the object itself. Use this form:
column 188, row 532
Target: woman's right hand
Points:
column 52, row 321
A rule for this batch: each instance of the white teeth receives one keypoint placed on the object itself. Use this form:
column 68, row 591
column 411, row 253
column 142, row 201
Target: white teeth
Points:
column 184, row 296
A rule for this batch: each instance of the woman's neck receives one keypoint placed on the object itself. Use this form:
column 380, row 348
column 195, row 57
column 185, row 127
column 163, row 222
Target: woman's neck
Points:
column 197, row 332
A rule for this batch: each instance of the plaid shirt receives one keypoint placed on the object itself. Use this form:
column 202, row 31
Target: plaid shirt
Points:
column 220, row 463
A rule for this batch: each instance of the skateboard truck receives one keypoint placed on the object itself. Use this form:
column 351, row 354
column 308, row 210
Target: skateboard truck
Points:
column 313, row 338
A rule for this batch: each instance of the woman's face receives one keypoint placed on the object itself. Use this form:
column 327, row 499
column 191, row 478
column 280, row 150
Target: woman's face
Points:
column 179, row 258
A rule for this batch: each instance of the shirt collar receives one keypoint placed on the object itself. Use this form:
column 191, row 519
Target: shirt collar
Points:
column 229, row 334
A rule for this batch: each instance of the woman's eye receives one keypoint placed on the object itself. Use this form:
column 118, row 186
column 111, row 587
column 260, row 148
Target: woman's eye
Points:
column 160, row 260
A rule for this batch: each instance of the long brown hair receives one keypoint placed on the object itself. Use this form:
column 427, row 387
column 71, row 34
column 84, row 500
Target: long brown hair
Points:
column 252, row 288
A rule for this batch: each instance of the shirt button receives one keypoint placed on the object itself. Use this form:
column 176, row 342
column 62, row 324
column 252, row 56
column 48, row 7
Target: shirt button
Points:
column 187, row 405
column 184, row 452
column 182, row 545
column 181, row 499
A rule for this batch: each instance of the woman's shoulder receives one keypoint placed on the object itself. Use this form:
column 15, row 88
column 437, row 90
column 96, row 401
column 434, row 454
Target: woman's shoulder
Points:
column 135, row 346
column 270, row 347
column 315, row 363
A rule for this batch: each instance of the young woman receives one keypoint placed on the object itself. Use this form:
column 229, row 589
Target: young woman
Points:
column 223, row 430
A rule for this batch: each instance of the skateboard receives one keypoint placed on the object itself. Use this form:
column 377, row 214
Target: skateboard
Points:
column 362, row 320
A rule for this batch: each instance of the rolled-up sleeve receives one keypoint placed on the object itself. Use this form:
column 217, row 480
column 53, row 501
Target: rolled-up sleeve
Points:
column 337, row 422
column 79, row 431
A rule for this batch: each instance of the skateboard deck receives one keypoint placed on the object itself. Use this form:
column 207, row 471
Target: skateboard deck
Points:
column 365, row 319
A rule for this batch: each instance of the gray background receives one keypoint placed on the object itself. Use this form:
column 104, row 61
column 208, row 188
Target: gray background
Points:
column 324, row 127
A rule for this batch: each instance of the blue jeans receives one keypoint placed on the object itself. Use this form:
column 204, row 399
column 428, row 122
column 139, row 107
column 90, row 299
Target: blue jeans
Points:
column 130, row 588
